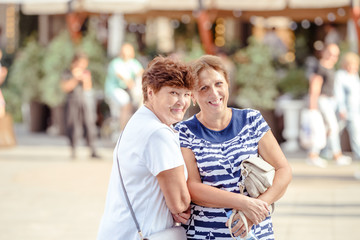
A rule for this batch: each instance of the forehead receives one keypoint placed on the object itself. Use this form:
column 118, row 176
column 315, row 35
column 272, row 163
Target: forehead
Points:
column 333, row 50
column 174, row 88
column 210, row 74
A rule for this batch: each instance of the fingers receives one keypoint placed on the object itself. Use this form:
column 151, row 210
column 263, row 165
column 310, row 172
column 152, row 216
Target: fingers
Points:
column 181, row 217
column 178, row 219
column 185, row 215
column 257, row 211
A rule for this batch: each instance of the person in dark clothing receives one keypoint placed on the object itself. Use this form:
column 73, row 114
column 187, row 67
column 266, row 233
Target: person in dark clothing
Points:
column 76, row 82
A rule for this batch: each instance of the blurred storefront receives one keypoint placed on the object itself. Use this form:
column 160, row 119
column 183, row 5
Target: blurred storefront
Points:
column 157, row 20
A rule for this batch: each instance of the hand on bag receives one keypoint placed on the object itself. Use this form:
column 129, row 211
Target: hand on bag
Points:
column 182, row 217
column 256, row 210
column 238, row 228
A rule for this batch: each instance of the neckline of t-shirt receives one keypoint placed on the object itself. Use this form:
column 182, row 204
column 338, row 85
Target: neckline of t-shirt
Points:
column 155, row 117
column 222, row 130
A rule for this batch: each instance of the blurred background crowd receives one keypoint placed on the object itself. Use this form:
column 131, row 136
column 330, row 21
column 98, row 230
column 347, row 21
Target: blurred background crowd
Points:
column 269, row 46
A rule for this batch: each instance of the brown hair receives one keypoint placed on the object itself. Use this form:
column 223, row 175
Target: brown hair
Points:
column 209, row 62
column 166, row 71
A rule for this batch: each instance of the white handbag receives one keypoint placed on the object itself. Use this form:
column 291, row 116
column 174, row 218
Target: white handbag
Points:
column 257, row 177
column 312, row 129
column 173, row 233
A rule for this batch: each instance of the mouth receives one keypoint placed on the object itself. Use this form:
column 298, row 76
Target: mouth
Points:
column 177, row 110
column 215, row 102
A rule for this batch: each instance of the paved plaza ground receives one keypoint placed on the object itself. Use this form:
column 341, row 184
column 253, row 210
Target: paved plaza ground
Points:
column 46, row 195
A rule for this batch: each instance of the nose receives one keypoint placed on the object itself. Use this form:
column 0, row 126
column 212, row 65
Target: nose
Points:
column 213, row 92
column 182, row 100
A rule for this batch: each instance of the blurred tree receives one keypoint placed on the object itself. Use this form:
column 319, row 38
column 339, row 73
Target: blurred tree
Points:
column 294, row 83
column 25, row 77
column 57, row 58
column 256, row 76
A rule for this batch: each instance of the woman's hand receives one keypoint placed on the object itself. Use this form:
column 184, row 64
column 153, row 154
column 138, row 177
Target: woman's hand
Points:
column 182, row 217
column 256, row 210
column 239, row 228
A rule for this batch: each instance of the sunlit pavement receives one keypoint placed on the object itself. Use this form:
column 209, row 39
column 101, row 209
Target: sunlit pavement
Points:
column 45, row 194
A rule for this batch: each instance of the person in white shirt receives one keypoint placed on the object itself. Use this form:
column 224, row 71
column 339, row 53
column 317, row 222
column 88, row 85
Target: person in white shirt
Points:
column 347, row 93
column 150, row 159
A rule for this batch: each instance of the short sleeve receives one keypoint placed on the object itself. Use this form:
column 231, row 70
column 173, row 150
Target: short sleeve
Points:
column 163, row 151
column 137, row 66
column 183, row 135
column 259, row 125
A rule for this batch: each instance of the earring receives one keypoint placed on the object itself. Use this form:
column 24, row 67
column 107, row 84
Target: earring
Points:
column 194, row 104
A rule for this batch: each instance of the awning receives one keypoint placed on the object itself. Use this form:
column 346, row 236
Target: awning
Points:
column 318, row 3
column 138, row 6
column 143, row 6
column 38, row 7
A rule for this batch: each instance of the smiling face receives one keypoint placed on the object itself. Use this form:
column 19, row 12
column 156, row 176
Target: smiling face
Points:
column 212, row 91
column 169, row 104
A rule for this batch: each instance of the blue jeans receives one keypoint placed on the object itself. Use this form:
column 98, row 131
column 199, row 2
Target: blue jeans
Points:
column 353, row 129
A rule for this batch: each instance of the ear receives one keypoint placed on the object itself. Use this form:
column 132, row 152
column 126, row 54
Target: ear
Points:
column 150, row 92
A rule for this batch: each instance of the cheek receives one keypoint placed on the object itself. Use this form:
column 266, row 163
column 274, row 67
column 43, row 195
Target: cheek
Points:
column 187, row 102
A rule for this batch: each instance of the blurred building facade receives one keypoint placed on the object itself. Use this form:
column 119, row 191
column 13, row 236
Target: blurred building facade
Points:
column 158, row 20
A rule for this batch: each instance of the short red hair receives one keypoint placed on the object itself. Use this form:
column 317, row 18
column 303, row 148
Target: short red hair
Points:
column 166, row 71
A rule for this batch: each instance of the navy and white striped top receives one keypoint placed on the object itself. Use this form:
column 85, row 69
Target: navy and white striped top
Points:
column 218, row 155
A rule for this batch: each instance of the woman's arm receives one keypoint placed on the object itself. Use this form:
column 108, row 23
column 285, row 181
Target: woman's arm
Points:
column 271, row 152
column 256, row 210
column 86, row 79
column 173, row 186
column 316, row 82
column 69, row 85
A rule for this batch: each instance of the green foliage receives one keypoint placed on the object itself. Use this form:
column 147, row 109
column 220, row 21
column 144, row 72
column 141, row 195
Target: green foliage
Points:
column 37, row 70
column 58, row 58
column 26, row 74
column 59, row 54
column 195, row 52
column 294, row 82
column 256, row 76
column 25, row 77
column 97, row 59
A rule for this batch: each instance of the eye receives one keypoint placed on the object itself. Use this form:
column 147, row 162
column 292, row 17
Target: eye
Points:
column 203, row 88
column 187, row 94
column 173, row 93
column 219, row 83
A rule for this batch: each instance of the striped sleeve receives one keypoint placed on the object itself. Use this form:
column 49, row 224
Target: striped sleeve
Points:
column 184, row 135
column 258, row 123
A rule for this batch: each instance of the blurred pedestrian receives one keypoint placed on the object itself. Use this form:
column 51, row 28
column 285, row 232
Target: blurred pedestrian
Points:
column 3, row 73
column 149, row 158
column 122, row 85
column 276, row 46
column 321, row 92
column 332, row 36
column 214, row 143
column 76, row 82
column 347, row 92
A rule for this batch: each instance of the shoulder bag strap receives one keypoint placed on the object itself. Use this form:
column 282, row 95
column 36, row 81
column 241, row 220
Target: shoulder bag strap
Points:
column 125, row 193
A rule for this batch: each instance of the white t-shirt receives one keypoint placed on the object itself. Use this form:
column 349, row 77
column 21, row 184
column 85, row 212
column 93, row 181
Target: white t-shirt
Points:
column 147, row 148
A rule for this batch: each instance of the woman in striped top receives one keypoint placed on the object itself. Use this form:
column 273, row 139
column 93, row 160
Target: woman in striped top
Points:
column 214, row 142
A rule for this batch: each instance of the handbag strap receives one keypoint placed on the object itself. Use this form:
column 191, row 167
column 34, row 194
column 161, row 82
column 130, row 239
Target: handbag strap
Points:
column 243, row 219
column 124, row 190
